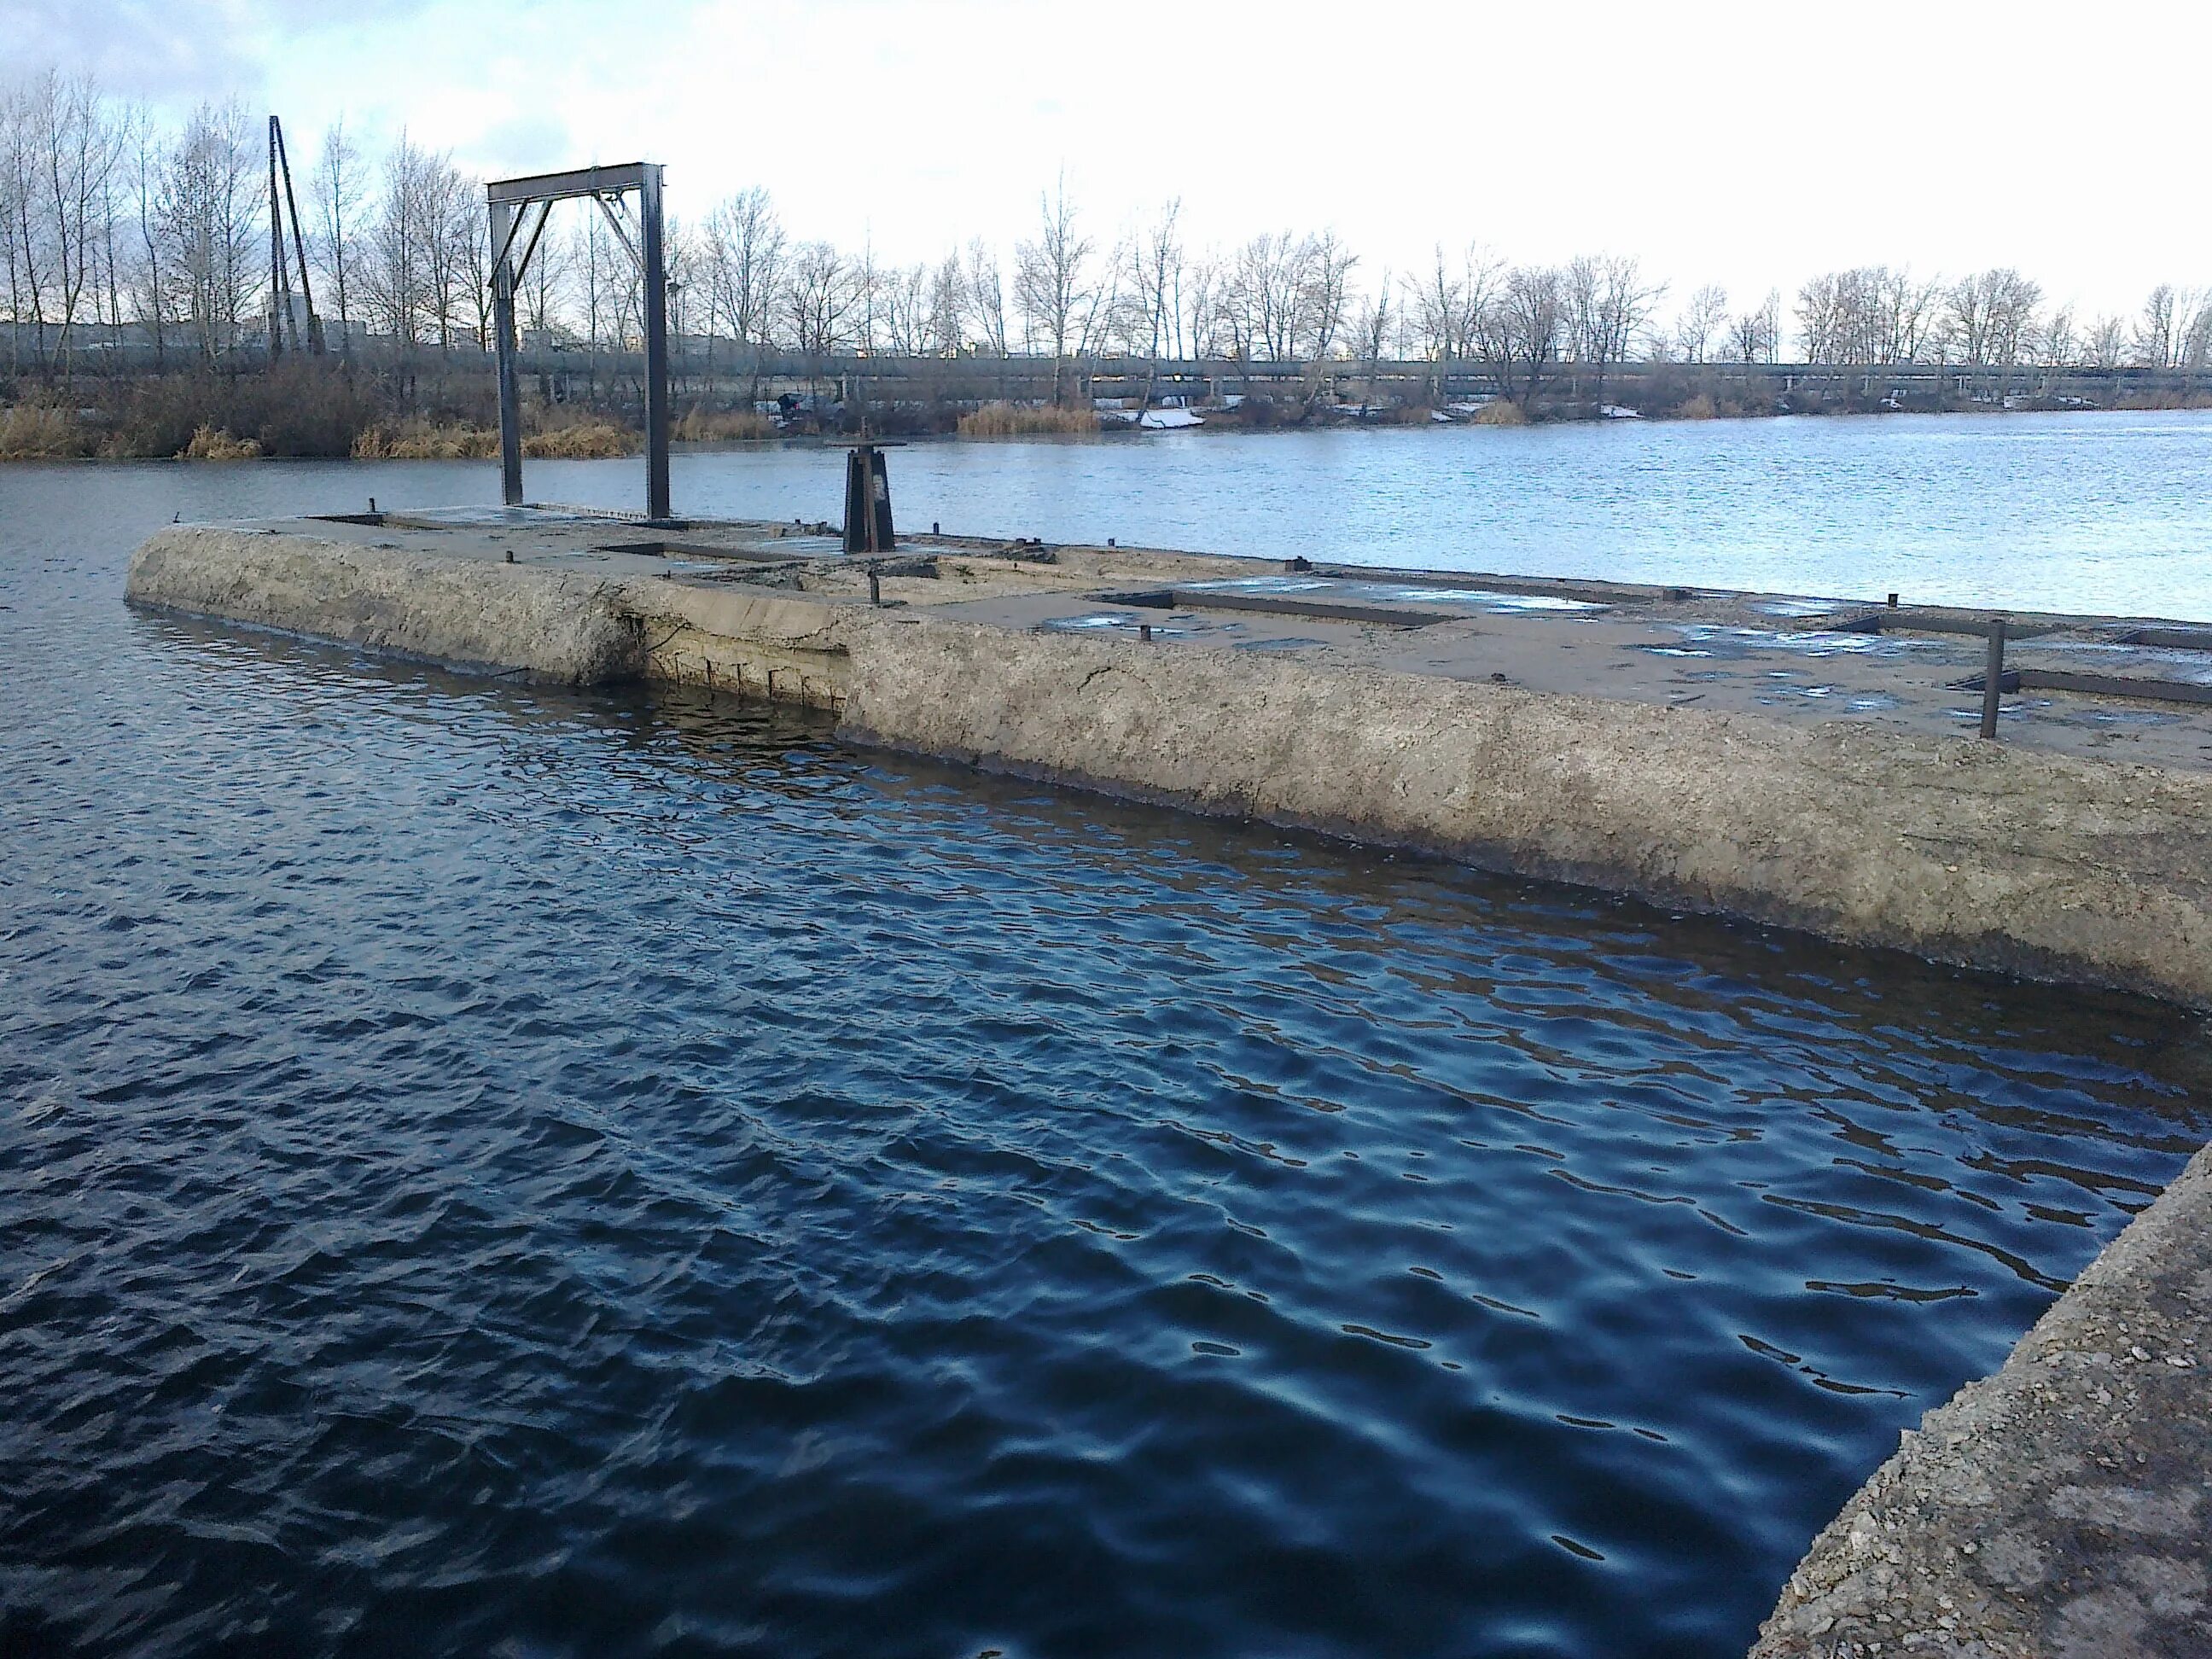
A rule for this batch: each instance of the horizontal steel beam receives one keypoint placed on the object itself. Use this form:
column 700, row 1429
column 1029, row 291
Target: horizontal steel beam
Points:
column 551, row 187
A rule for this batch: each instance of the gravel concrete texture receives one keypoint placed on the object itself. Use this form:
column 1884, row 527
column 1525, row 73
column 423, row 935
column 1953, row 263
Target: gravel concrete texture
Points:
column 2059, row 1509
column 563, row 628
column 1965, row 851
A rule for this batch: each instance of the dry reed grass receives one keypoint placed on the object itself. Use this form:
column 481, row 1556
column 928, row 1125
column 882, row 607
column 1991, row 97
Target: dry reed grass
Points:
column 211, row 443
column 419, row 440
column 711, row 426
column 586, row 441
column 1023, row 420
column 1501, row 411
column 39, row 432
column 1699, row 408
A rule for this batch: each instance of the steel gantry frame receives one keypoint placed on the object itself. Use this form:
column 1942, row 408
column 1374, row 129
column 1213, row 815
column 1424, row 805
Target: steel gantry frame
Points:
column 510, row 202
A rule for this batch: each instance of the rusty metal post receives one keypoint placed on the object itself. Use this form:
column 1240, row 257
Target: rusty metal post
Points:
column 1993, row 676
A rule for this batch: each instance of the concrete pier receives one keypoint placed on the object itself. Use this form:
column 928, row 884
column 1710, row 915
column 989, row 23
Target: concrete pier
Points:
column 1805, row 761
column 1798, row 760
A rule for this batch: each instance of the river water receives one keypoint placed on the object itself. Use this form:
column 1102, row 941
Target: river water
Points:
column 487, row 1171
column 2103, row 513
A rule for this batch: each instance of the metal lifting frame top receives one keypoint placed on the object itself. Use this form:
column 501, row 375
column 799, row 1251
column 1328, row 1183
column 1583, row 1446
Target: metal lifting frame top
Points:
column 514, row 233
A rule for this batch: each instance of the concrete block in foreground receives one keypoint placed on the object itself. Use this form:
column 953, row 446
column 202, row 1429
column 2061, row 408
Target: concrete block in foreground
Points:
column 2059, row 1509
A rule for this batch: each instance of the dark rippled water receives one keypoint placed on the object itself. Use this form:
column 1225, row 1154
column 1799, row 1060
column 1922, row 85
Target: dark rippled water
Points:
column 491, row 1171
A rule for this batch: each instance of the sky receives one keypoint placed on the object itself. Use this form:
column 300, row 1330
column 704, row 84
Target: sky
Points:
column 1751, row 145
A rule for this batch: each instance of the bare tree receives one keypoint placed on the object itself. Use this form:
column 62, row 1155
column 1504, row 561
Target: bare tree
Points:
column 147, row 164
column 1529, row 320
column 1156, row 258
column 819, row 293
column 2172, row 325
column 339, row 184
column 80, row 152
column 947, row 306
column 1325, row 293
column 1991, row 315
column 210, row 199
column 1054, row 287
column 1373, row 321
column 1450, row 312
column 1703, row 323
column 2058, row 343
column 2107, row 344
column 743, row 255
column 451, row 253
column 1608, row 304
column 1755, row 336
column 984, row 298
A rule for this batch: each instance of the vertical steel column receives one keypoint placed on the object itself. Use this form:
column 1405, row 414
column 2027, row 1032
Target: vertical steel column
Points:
column 502, row 324
column 276, row 253
column 656, row 344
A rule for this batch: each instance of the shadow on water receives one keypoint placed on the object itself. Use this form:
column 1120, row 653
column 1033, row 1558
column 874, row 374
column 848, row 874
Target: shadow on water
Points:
column 489, row 1168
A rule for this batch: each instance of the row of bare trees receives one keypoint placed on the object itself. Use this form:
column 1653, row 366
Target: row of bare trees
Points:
column 107, row 223
column 113, row 227
column 1994, row 318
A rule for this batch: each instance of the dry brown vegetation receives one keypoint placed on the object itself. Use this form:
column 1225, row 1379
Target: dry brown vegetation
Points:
column 584, row 440
column 1501, row 411
column 2164, row 400
column 39, row 432
column 709, row 426
column 419, row 440
column 213, row 443
column 1023, row 420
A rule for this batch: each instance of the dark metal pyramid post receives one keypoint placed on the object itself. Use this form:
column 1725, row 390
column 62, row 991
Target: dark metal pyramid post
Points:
column 868, row 501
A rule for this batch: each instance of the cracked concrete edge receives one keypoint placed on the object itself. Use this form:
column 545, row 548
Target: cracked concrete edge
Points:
column 1958, row 850
column 2060, row 1509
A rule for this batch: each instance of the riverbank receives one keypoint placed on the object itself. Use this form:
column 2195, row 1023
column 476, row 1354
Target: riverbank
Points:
column 445, row 409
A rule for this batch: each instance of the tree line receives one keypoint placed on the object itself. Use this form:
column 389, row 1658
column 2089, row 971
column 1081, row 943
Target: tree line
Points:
column 116, row 227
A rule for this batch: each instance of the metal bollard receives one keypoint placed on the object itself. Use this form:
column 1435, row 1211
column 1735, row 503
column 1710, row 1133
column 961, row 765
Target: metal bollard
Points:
column 875, row 588
column 1893, row 602
column 1145, row 632
column 1993, row 676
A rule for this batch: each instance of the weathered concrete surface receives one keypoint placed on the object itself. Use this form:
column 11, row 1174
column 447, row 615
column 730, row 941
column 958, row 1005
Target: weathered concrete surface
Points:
column 1972, row 852
column 1582, row 765
column 569, row 627
column 2059, row 1509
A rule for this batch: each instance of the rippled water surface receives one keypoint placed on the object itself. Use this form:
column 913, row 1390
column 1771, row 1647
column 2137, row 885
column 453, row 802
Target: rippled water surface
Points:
column 484, row 1170
column 2103, row 513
